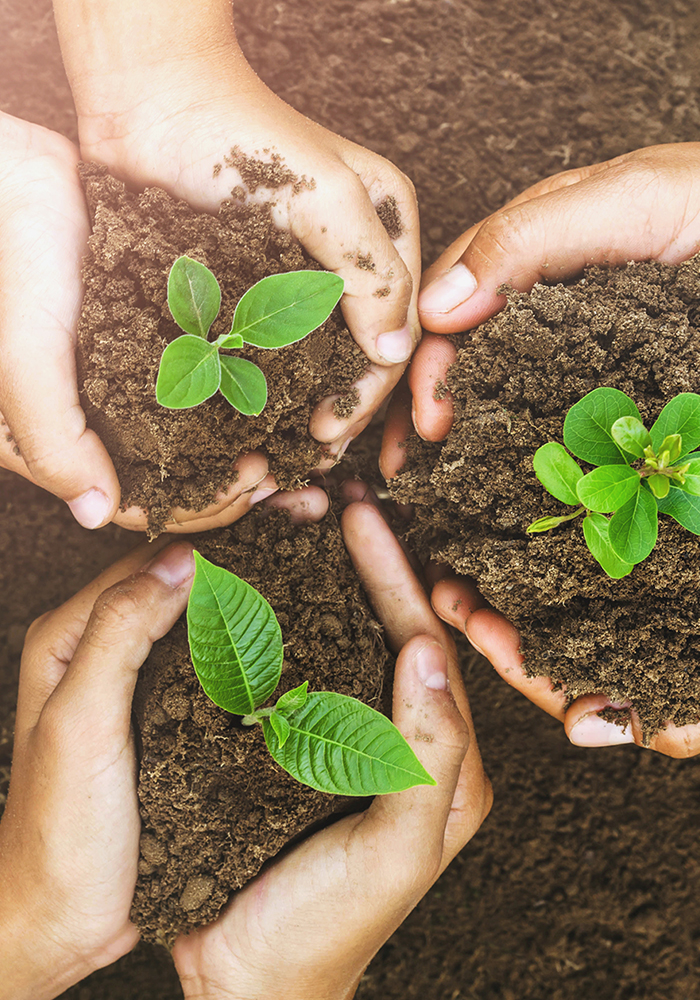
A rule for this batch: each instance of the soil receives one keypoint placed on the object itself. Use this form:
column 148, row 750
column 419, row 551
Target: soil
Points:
column 585, row 880
column 214, row 805
column 184, row 458
column 636, row 329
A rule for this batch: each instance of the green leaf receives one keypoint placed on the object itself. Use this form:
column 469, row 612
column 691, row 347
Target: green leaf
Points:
column 547, row 523
column 281, row 727
column 588, row 426
column 194, row 296
column 294, row 699
column 680, row 416
column 284, row 308
column 557, row 471
column 596, row 532
column 692, row 477
column 659, row 485
column 631, row 435
column 608, row 488
column 235, row 639
column 682, row 507
column 634, row 528
column 243, row 385
column 339, row 745
column 672, row 444
column 189, row 373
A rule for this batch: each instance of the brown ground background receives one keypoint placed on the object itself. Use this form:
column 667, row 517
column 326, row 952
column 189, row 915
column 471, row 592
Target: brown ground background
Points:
column 583, row 882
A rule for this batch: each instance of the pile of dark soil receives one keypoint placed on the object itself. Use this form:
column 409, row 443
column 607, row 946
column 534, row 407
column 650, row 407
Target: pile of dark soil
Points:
column 214, row 805
column 636, row 329
column 168, row 458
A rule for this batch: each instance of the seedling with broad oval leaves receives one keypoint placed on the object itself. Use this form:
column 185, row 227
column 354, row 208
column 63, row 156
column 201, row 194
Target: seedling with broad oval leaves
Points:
column 277, row 311
column 328, row 741
column 640, row 473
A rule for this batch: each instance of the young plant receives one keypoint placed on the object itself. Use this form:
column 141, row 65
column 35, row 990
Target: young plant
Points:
column 279, row 310
column 640, row 473
column 329, row 741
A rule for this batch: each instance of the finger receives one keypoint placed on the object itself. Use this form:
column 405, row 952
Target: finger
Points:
column 372, row 389
column 97, row 688
column 397, row 429
column 433, row 410
column 633, row 210
column 303, row 506
column 585, row 727
column 495, row 638
column 454, row 599
column 44, row 229
column 351, row 241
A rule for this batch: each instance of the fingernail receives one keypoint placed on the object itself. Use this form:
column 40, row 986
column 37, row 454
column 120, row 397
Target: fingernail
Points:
column 396, row 346
column 592, row 731
column 173, row 565
column 477, row 649
column 448, row 291
column 92, row 509
column 431, row 666
column 262, row 494
column 343, row 448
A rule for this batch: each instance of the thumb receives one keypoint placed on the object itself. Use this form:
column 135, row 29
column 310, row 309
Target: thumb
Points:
column 640, row 206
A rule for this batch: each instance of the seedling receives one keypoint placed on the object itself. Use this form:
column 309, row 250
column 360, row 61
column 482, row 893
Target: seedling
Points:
column 279, row 310
column 640, row 473
column 328, row 741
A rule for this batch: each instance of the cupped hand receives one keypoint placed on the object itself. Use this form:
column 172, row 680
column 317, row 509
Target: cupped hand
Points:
column 306, row 928
column 644, row 205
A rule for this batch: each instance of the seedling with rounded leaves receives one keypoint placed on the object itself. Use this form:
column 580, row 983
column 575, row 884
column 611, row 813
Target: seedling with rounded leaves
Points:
column 329, row 741
column 640, row 473
column 279, row 310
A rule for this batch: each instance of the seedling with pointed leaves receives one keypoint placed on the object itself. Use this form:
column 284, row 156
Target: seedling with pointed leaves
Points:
column 640, row 473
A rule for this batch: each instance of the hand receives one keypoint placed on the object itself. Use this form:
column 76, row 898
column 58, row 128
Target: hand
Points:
column 306, row 928
column 69, row 838
column 640, row 206
column 165, row 107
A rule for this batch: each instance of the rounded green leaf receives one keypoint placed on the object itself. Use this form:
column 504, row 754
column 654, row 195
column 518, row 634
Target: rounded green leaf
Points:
column 680, row 416
column 596, row 533
column 243, row 385
column 634, row 528
column 194, row 296
column 659, row 485
column 557, row 471
column 682, row 507
column 608, row 488
column 692, row 477
column 339, row 745
column 588, row 426
column 284, row 308
column 189, row 373
column 631, row 435
column 235, row 639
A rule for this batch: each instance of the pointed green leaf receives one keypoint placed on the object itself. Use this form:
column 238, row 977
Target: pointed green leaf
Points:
column 608, row 488
column 596, row 533
column 194, row 296
column 231, row 341
column 692, row 477
column 284, row 308
column 339, row 745
column 235, row 639
column 557, row 471
column 281, row 727
column 588, row 426
column 682, row 507
column 243, row 385
column 294, row 699
column 634, row 528
column 631, row 435
column 547, row 523
column 680, row 416
column 670, row 449
column 659, row 485
column 189, row 373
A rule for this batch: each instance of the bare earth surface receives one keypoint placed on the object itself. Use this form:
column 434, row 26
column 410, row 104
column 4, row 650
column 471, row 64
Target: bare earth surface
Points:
column 584, row 881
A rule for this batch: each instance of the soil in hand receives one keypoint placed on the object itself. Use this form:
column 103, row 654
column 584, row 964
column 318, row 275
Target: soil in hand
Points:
column 636, row 329
column 183, row 458
column 214, row 805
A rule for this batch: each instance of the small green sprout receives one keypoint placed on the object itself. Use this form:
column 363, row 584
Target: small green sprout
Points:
column 328, row 741
column 640, row 474
column 279, row 310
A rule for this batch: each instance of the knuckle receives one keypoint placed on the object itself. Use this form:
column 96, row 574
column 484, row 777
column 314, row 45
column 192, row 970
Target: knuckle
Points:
column 115, row 612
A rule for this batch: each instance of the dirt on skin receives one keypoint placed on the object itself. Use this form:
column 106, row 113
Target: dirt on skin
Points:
column 214, row 804
column 636, row 329
column 184, row 458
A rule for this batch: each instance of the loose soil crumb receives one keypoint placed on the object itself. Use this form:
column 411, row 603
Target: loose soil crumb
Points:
column 390, row 217
column 514, row 379
column 273, row 173
column 343, row 407
column 167, row 458
column 214, row 805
